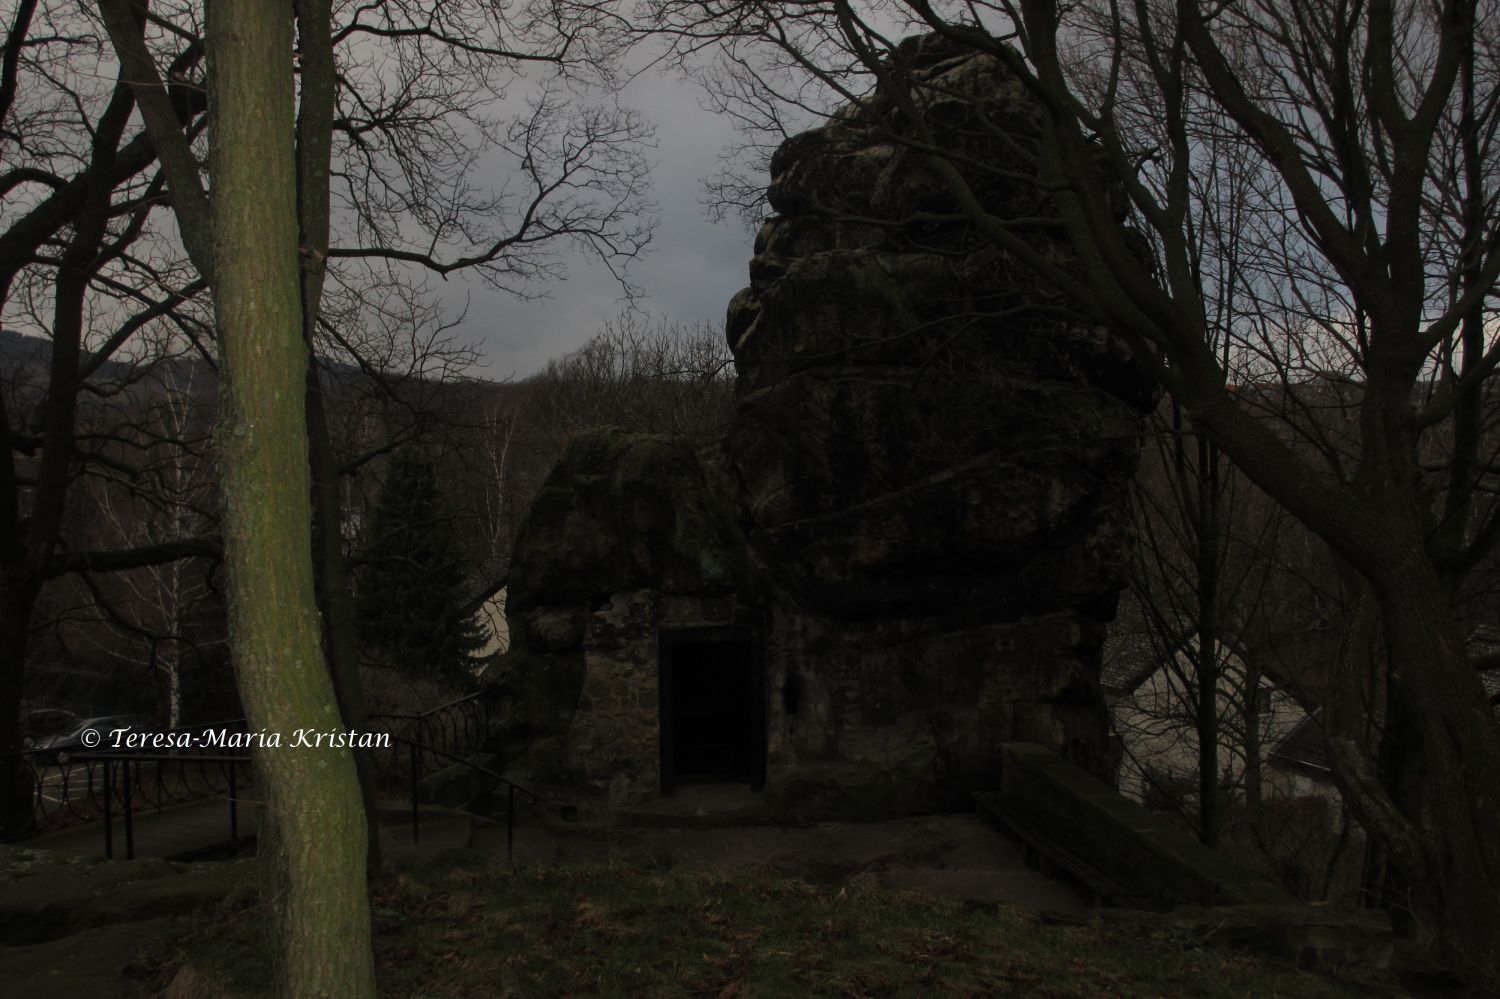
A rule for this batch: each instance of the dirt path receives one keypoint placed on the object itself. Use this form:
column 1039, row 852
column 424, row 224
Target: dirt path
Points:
column 953, row 855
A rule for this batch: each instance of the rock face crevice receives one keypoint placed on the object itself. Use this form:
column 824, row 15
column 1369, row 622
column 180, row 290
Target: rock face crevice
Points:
column 919, row 504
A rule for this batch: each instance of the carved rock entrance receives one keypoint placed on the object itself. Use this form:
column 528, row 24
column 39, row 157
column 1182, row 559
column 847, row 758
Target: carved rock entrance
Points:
column 712, row 707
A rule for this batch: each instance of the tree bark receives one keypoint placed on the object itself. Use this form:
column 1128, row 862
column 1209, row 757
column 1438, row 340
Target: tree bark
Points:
column 18, row 591
column 1447, row 783
column 318, row 853
column 1205, row 519
column 335, row 602
column 1250, row 715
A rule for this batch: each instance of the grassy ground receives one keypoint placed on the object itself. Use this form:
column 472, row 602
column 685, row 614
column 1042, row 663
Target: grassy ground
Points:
column 621, row 931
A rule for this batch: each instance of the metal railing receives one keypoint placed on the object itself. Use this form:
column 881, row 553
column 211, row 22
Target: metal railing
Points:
column 121, row 774
column 417, row 751
column 74, row 788
column 130, row 766
column 458, row 727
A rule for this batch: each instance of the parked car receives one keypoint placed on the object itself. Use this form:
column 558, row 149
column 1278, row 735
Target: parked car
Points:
column 72, row 740
column 44, row 723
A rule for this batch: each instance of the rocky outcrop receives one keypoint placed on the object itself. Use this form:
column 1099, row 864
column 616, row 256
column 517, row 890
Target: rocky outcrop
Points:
column 619, row 512
column 625, row 538
column 925, row 478
column 932, row 457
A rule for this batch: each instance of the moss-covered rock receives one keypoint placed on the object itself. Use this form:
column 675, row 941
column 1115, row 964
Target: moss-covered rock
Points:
column 619, row 511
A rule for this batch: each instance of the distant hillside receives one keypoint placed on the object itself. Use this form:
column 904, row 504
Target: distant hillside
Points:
column 17, row 348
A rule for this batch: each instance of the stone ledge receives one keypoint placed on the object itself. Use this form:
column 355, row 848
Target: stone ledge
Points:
column 1138, row 848
column 46, row 896
column 1212, row 899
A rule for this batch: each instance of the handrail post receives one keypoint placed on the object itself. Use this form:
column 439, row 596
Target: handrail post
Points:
column 129, row 825
column 234, row 814
column 510, row 823
column 414, row 823
column 109, row 825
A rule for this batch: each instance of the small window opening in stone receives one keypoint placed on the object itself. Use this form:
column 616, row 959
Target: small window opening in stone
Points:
column 791, row 694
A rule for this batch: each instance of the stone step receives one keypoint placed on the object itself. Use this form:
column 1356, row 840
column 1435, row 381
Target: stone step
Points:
column 699, row 806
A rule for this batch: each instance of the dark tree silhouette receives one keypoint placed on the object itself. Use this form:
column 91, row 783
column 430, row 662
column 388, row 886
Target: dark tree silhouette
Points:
column 412, row 599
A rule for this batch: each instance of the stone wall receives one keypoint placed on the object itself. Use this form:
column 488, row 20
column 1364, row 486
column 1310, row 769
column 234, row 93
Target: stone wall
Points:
column 1209, row 896
column 625, row 539
column 1142, row 849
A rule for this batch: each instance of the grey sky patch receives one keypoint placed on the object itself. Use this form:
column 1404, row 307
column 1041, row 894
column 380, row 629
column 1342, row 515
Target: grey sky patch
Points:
column 692, row 269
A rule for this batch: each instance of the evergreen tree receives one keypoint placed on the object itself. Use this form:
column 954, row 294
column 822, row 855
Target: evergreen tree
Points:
column 410, row 602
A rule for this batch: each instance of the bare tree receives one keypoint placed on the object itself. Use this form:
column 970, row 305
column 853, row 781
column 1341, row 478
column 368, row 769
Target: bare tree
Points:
column 166, row 496
column 315, row 857
column 412, row 97
column 421, row 90
column 644, row 375
column 81, row 261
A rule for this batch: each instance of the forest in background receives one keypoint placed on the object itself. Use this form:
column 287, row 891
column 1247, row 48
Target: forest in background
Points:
column 152, row 640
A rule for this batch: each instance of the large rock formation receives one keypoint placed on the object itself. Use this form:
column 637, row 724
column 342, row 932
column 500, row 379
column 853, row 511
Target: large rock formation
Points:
column 624, row 539
column 919, row 508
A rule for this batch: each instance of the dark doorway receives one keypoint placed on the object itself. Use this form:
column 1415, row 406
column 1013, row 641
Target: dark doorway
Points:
column 713, row 708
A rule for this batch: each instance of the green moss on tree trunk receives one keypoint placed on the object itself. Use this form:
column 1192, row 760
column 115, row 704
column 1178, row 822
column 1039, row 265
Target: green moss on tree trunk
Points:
column 318, row 859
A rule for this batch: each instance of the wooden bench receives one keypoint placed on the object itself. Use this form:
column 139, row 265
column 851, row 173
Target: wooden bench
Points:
column 1041, row 851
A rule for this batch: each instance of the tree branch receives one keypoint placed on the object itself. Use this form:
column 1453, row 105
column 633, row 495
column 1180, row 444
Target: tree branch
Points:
column 122, row 560
column 125, row 23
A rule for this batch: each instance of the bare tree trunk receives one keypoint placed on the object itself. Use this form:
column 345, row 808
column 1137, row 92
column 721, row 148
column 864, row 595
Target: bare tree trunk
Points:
column 173, row 670
column 336, row 603
column 27, row 542
column 317, row 848
column 1446, row 777
column 1206, row 526
column 1431, row 807
column 1251, row 713
column 17, row 597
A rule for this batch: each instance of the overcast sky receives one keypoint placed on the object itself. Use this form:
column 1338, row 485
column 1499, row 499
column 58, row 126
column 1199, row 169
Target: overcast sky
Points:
column 692, row 269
